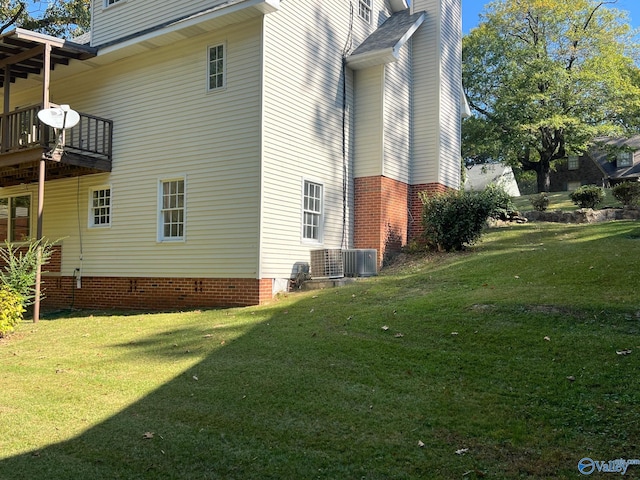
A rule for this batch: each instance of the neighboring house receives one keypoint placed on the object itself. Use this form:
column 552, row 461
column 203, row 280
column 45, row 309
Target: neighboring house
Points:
column 478, row 177
column 221, row 141
column 612, row 161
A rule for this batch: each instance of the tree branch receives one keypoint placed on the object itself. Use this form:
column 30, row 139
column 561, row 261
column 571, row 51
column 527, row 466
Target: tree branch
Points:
column 13, row 19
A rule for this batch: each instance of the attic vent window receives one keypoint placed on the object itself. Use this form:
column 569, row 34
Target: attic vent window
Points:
column 108, row 3
column 625, row 159
column 573, row 162
column 365, row 10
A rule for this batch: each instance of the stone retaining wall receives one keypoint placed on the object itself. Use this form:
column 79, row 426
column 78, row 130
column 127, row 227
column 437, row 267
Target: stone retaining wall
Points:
column 584, row 215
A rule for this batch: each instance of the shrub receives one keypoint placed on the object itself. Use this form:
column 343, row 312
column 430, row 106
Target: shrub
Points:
column 587, row 196
column 19, row 264
column 11, row 310
column 456, row 219
column 627, row 193
column 540, row 201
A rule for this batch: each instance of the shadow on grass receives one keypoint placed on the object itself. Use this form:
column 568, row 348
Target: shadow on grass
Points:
column 317, row 388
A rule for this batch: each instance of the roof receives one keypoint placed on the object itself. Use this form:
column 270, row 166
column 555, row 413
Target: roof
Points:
column 383, row 45
column 23, row 51
column 602, row 157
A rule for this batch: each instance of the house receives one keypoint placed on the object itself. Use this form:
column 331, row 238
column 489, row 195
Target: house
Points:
column 222, row 141
column 609, row 162
column 479, row 176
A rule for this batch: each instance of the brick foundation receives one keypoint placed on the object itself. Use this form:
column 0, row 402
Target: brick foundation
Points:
column 415, row 206
column 388, row 213
column 154, row 293
column 380, row 211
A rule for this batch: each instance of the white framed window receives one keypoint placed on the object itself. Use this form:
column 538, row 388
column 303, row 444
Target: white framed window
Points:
column 624, row 159
column 364, row 10
column 573, row 162
column 15, row 218
column 100, row 207
column 172, row 209
column 108, row 3
column 217, row 67
column 312, row 211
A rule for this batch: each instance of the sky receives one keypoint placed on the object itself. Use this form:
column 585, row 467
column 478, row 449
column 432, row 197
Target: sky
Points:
column 472, row 8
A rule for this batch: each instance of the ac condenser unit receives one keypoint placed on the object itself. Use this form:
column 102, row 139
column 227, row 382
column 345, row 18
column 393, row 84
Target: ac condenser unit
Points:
column 360, row 262
column 326, row 263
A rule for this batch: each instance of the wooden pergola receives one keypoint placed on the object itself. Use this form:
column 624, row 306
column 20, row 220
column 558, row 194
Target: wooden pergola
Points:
column 25, row 154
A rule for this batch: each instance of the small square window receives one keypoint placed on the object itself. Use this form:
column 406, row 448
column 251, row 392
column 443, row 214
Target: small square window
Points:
column 217, row 67
column 624, row 159
column 573, row 162
column 364, row 10
column 108, row 3
column 100, row 208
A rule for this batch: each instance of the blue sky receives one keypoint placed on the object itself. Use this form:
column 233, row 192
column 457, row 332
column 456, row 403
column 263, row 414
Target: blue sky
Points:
column 472, row 8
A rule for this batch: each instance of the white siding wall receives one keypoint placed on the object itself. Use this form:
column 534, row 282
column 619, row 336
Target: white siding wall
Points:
column 167, row 125
column 127, row 17
column 303, row 122
column 369, row 123
column 397, row 117
column 437, row 80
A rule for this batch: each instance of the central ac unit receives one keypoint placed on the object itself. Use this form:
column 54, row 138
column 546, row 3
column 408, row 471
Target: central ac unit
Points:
column 360, row 262
column 326, row 263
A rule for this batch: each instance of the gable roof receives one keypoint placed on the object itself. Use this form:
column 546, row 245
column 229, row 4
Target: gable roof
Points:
column 383, row 45
column 601, row 156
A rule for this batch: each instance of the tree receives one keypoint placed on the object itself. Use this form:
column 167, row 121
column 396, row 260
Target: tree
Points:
column 60, row 18
column 545, row 79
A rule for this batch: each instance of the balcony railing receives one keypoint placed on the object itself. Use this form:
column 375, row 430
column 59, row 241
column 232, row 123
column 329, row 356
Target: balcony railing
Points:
column 21, row 129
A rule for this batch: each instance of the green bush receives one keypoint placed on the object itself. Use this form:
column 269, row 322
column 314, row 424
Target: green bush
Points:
column 19, row 265
column 627, row 193
column 587, row 196
column 11, row 310
column 456, row 219
column 540, row 201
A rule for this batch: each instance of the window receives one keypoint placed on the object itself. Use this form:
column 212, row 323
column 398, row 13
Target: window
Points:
column 15, row 218
column 625, row 159
column 217, row 65
column 108, row 3
column 100, row 207
column 312, row 211
column 571, row 186
column 172, row 210
column 365, row 10
column 573, row 163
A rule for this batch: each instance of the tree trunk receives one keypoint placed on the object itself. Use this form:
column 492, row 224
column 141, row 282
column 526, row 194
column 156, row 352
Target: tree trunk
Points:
column 543, row 176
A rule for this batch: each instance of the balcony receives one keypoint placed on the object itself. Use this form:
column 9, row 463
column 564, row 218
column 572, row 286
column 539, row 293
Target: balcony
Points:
column 24, row 140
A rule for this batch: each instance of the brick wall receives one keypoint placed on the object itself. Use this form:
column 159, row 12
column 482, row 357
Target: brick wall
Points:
column 380, row 211
column 154, row 293
column 415, row 206
column 55, row 262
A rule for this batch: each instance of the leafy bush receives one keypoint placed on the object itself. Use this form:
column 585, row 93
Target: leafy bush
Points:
column 456, row 219
column 19, row 265
column 11, row 310
column 587, row 196
column 540, row 201
column 627, row 193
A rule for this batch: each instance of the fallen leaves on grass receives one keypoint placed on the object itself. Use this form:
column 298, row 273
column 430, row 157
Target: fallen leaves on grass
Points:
column 147, row 435
column 626, row 351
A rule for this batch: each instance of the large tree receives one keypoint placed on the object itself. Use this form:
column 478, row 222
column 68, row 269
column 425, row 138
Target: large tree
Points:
column 546, row 78
column 61, row 18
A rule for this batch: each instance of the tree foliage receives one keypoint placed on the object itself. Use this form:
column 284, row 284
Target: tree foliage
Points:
column 546, row 78
column 60, row 18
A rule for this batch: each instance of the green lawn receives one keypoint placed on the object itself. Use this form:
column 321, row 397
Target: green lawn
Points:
column 510, row 360
column 561, row 201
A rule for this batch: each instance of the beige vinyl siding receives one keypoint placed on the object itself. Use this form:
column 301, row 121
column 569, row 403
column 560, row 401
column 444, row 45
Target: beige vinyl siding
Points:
column 397, row 117
column 127, row 17
column 369, row 122
column 437, row 80
column 303, row 124
column 166, row 125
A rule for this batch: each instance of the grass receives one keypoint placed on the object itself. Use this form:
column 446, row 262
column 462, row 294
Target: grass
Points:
column 561, row 201
column 500, row 362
